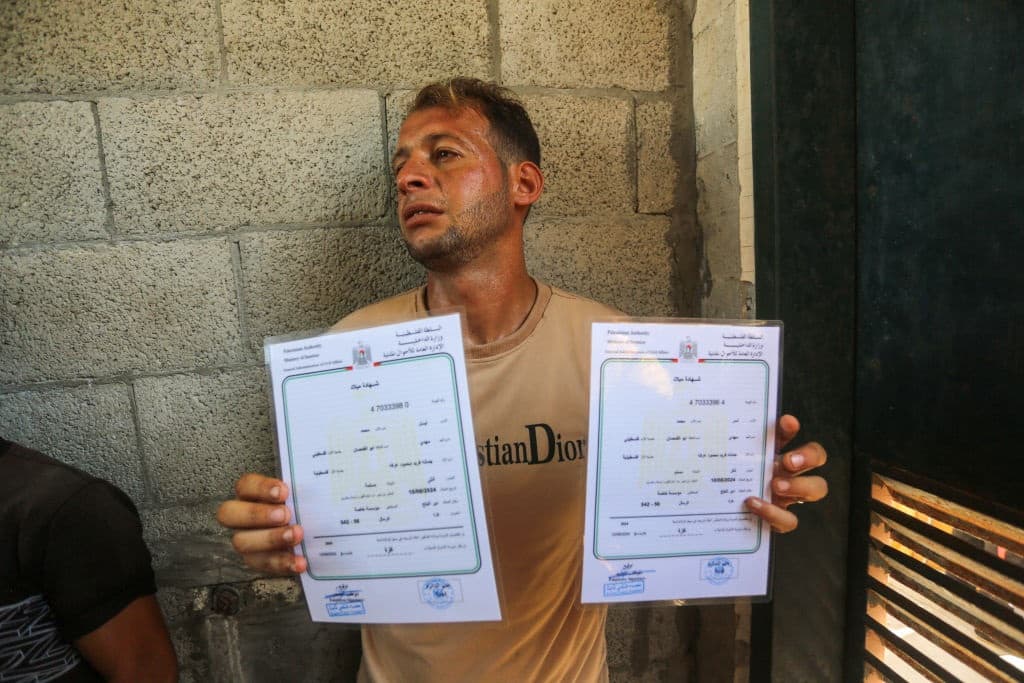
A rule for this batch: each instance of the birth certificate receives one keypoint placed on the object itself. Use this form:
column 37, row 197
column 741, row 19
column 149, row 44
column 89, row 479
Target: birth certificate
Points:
column 682, row 422
column 376, row 444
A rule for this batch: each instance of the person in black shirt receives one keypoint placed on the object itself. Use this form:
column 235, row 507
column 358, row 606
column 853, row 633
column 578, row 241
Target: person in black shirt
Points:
column 76, row 582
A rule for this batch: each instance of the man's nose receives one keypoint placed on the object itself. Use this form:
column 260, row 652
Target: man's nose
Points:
column 414, row 175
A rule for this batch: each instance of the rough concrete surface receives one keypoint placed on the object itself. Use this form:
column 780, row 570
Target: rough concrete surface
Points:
column 200, row 432
column 87, row 45
column 707, row 12
column 586, row 154
column 607, row 260
column 718, row 204
column 198, row 561
column 87, row 312
column 200, row 163
column 714, row 83
column 164, row 523
column 90, row 427
column 398, row 104
column 569, row 44
column 51, row 186
column 365, row 42
column 309, row 279
column 650, row 643
column 657, row 171
column 282, row 644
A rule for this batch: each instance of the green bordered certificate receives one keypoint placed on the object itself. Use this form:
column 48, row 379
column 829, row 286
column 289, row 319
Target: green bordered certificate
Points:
column 682, row 422
column 376, row 444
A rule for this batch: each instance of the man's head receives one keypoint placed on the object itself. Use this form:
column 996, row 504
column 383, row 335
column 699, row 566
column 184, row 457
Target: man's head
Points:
column 466, row 176
column 512, row 132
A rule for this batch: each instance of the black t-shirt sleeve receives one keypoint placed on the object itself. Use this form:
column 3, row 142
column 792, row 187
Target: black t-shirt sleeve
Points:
column 96, row 561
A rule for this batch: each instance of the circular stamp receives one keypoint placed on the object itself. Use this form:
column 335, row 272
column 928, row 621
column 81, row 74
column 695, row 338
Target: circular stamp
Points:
column 719, row 570
column 437, row 592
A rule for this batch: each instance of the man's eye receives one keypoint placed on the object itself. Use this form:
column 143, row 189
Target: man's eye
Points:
column 444, row 154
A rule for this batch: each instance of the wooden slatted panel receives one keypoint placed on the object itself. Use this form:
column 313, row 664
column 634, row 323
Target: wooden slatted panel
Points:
column 945, row 591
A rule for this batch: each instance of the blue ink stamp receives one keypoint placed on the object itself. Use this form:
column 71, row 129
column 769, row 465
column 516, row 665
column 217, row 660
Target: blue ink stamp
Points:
column 439, row 593
column 344, row 602
column 354, row 608
column 614, row 589
column 718, row 570
column 627, row 581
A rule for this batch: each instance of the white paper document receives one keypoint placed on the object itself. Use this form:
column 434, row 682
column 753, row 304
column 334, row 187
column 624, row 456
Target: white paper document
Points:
column 682, row 425
column 376, row 443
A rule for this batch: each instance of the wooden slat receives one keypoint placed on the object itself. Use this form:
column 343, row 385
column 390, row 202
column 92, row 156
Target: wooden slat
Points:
column 991, row 629
column 880, row 670
column 913, row 657
column 969, row 652
column 1000, row 587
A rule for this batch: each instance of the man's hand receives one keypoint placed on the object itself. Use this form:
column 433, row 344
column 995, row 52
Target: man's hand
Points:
column 260, row 519
column 789, row 483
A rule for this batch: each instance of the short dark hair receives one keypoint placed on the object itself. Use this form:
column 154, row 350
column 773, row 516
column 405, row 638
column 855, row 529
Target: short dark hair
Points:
column 514, row 137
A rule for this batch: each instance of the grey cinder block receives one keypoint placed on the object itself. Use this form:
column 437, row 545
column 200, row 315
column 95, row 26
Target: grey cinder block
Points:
column 303, row 280
column 624, row 264
column 211, row 162
column 51, row 186
column 360, row 42
column 200, row 432
column 90, row 45
column 90, row 427
column 561, row 43
column 93, row 312
column 586, row 147
column 657, row 171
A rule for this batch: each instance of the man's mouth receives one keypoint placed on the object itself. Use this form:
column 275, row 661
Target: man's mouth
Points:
column 418, row 209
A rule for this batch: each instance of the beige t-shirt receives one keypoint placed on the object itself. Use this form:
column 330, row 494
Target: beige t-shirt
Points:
column 529, row 396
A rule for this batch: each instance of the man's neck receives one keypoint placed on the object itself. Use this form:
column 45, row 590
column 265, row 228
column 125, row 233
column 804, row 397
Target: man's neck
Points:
column 496, row 303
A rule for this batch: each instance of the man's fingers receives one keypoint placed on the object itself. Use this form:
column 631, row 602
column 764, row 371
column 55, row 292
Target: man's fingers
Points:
column 280, row 563
column 802, row 459
column 785, row 429
column 271, row 550
column 239, row 514
column 799, row 490
column 780, row 519
column 263, row 540
column 260, row 489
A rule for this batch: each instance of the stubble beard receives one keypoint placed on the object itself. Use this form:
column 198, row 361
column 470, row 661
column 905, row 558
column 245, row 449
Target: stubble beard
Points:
column 468, row 235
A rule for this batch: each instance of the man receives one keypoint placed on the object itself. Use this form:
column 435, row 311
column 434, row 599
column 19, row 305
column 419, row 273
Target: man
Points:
column 76, row 585
column 467, row 168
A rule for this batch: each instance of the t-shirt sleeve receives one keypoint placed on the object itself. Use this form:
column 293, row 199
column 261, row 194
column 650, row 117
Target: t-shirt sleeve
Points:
column 96, row 561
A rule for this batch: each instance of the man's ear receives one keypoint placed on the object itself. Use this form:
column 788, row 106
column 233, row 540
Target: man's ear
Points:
column 527, row 183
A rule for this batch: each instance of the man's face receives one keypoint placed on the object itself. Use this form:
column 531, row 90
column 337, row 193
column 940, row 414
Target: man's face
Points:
column 453, row 197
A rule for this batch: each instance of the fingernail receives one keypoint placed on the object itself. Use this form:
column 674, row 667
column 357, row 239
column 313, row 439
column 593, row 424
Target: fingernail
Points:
column 277, row 515
column 754, row 503
column 781, row 485
column 796, row 459
column 275, row 492
column 287, row 535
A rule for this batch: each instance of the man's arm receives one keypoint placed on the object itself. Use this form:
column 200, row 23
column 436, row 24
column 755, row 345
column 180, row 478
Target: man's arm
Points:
column 790, row 483
column 132, row 646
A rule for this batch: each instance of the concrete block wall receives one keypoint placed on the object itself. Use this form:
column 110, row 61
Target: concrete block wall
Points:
column 180, row 180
